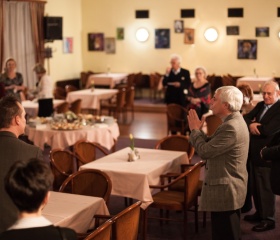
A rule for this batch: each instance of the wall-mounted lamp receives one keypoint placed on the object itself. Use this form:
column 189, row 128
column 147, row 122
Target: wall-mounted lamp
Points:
column 142, row 34
column 211, row 34
column 279, row 34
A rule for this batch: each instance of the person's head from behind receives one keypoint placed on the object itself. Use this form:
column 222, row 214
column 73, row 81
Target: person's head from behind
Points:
column 247, row 93
column 175, row 61
column 12, row 115
column 10, row 65
column 39, row 69
column 200, row 73
column 227, row 99
column 270, row 92
column 28, row 184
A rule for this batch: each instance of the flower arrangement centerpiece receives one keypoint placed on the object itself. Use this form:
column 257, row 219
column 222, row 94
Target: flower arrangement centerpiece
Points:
column 92, row 85
column 133, row 155
column 131, row 142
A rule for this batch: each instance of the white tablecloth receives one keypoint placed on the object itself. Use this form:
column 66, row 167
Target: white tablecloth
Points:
column 132, row 179
column 31, row 108
column 91, row 99
column 73, row 211
column 254, row 82
column 104, row 134
column 106, row 79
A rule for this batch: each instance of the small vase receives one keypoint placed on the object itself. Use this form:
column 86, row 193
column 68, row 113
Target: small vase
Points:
column 133, row 156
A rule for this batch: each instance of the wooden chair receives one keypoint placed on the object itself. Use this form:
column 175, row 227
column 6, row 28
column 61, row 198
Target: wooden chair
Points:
column 125, row 223
column 59, row 93
column 84, row 78
column 62, row 108
column 115, row 104
column 76, row 106
column 155, row 85
column 179, row 201
column 228, row 81
column 70, row 88
column 63, row 164
column 212, row 123
column 130, row 80
column 129, row 102
column 101, row 233
column 86, row 151
column 176, row 143
column 89, row 182
column 176, row 119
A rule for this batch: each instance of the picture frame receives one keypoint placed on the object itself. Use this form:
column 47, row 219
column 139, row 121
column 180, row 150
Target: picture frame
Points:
column 96, row 42
column 247, row 49
column 162, row 38
column 110, row 45
column 120, row 33
column 67, row 45
column 232, row 30
column 178, row 26
column 262, row 31
column 189, row 36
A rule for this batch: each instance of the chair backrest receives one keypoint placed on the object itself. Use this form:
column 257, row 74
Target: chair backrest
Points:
column 176, row 118
column 103, row 232
column 125, row 223
column 62, row 107
column 70, row 88
column 62, row 165
column 76, row 106
column 89, row 182
column 45, row 108
column 176, row 143
column 121, row 98
column 212, row 123
column 59, row 93
column 129, row 96
column 130, row 79
column 86, row 151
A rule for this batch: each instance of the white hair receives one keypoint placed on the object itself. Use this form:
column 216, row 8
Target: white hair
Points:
column 231, row 95
column 202, row 69
column 176, row 57
column 272, row 83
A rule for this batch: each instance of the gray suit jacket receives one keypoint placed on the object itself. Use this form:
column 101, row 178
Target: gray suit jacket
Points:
column 11, row 150
column 226, row 153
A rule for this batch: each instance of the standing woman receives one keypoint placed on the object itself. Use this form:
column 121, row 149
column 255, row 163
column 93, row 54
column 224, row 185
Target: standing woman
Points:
column 199, row 94
column 11, row 79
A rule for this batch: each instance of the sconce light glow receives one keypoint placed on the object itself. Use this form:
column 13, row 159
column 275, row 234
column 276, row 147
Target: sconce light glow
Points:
column 279, row 34
column 142, row 34
column 211, row 34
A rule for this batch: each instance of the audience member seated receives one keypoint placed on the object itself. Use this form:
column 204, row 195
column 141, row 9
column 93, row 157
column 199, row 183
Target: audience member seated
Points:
column 12, row 80
column 28, row 184
column 199, row 94
column 247, row 98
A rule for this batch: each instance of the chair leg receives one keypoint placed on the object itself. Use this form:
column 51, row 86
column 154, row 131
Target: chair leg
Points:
column 204, row 220
column 144, row 214
column 196, row 217
column 185, row 224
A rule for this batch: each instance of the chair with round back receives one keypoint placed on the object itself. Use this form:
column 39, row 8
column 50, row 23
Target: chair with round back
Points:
column 129, row 101
column 86, row 151
column 70, row 88
column 103, row 232
column 59, row 93
column 212, row 123
column 176, row 143
column 89, row 182
column 176, row 119
column 76, row 106
column 62, row 107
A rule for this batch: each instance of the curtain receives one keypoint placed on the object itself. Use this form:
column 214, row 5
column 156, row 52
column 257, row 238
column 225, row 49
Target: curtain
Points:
column 1, row 35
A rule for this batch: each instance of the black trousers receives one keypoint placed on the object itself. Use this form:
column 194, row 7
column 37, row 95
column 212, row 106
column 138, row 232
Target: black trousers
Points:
column 226, row 225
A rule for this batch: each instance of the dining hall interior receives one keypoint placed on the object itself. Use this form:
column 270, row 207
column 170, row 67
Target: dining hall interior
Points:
column 108, row 117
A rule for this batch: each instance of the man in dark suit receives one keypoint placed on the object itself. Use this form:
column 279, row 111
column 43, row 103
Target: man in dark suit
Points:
column 177, row 81
column 263, row 123
column 12, row 124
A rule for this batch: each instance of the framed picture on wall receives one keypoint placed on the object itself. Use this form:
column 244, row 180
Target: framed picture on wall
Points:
column 189, row 36
column 120, row 33
column 162, row 39
column 262, row 31
column 110, row 45
column 232, row 30
column 247, row 49
column 179, row 26
column 96, row 42
column 67, row 45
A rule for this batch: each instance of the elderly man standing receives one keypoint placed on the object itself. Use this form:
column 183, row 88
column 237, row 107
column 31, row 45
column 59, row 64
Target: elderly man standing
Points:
column 177, row 81
column 12, row 124
column 263, row 123
column 225, row 152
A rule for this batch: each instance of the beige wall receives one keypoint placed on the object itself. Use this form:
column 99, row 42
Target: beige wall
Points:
column 219, row 57
column 66, row 66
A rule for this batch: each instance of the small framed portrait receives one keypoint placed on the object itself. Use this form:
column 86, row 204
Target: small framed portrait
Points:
column 262, row 31
column 96, row 42
column 67, row 45
column 189, row 36
column 120, row 33
column 179, row 26
column 247, row 49
column 162, row 39
column 110, row 45
column 232, row 30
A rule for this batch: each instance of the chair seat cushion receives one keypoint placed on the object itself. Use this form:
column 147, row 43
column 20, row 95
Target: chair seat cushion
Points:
column 169, row 200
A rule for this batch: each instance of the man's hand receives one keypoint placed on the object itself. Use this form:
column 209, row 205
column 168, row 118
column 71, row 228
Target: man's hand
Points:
column 193, row 120
column 253, row 128
column 176, row 84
